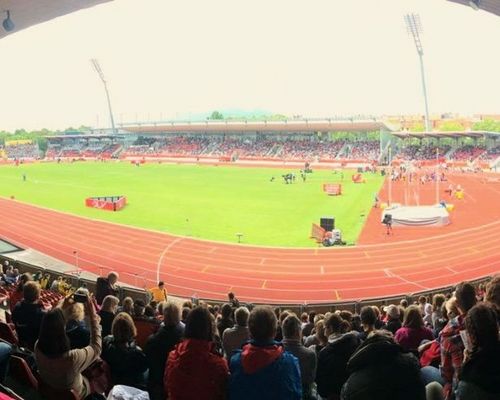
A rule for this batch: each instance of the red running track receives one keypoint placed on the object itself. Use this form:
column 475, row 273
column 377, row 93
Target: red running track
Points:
column 256, row 274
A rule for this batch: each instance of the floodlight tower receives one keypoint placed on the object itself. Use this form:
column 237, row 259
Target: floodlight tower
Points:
column 98, row 69
column 414, row 28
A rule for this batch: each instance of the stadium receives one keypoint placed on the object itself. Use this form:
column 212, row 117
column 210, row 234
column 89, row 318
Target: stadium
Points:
column 310, row 230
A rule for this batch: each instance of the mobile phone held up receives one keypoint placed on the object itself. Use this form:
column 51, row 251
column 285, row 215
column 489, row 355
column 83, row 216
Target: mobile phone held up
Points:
column 80, row 297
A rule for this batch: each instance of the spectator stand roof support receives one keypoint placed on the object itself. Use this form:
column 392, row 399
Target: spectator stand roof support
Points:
column 491, row 6
column 26, row 13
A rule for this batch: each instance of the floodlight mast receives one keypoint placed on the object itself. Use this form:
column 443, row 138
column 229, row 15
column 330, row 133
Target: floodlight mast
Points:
column 98, row 69
column 414, row 28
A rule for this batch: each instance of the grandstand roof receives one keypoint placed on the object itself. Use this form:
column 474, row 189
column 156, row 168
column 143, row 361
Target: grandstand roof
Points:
column 437, row 135
column 492, row 6
column 323, row 125
column 25, row 13
column 82, row 136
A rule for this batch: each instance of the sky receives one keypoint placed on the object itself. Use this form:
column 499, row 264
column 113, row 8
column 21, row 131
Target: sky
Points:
column 167, row 59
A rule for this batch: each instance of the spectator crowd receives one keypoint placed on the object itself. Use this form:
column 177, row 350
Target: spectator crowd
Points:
column 444, row 347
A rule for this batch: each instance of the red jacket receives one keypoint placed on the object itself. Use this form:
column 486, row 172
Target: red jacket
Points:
column 195, row 371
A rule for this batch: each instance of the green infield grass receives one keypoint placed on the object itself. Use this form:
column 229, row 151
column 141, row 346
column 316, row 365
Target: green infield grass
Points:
column 206, row 202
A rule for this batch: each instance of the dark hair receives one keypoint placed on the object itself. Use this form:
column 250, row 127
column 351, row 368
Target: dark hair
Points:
column 413, row 317
column 291, row 327
column 404, row 303
column 493, row 291
column 161, row 283
column 199, row 325
column 437, row 301
column 230, row 295
column 422, row 299
column 336, row 324
column 346, row 315
column 466, row 296
column 149, row 311
column 368, row 316
column 52, row 341
column 262, row 324
column 31, row 291
column 226, row 311
column 185, row 312
column 312, row 314
column 26, row 277
column 482, row 326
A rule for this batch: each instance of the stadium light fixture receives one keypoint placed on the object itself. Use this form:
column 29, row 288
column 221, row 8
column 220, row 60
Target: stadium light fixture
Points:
column 475, row 4
column 414, row 28
column 98, row 69
column 7, row 23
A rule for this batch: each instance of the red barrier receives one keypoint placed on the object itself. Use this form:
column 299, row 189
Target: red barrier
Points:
column 110, row 203
column 317, row 232
column 332, row 189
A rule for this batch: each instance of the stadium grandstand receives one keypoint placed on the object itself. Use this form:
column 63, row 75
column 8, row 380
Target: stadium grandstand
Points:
column 96, row 308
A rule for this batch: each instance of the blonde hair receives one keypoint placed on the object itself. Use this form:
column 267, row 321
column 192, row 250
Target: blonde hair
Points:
column 75, row 312
column 128, row 305
column 110, row 303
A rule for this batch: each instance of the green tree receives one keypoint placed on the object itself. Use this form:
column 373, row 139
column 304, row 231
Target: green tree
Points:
column 487, row 125
column 418, row 127
column 451, row 126
column 216, row 115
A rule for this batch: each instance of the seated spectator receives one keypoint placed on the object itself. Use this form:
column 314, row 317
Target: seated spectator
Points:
column 235, row 303
column 5, row 351
column 106, row 286
column 413, row 331
column 44, row 281
column 492, row 294
column 393, row 322
column 378, row 323
column 149, row 313
column 126, row 360
column 184, row 314
column 159, row 345
column 321, row 338
column 292, row 342
column 368, row 319
column 438, row 321
column 479, row 378
column 233, row 338
column 309, row 325
column 452, row 346
column 194, row 369
column 27, row 315
column 226, row 320
column 76, row 329
column 138, row 309
column 263, row 369
column 17, row 295
column 428, row 316
column 59, row 366
column 332, row 360
column 127, row 306
column 280, row 315
column 159, row 293
column 380, row 369
column 107, row 313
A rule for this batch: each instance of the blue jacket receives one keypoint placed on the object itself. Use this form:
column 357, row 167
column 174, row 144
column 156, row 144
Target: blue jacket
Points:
column 264, row 372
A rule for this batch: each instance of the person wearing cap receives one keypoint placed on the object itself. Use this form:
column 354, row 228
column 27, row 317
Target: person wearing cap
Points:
column 393, row 322
column 159, row 293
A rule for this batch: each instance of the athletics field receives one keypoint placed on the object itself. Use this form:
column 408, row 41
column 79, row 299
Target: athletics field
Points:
column 207, row 202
